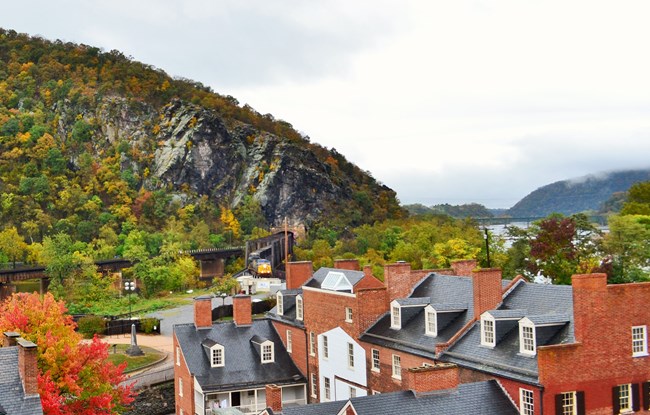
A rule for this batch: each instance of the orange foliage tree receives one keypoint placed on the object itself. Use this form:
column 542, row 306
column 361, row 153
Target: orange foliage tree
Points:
column 75, row 377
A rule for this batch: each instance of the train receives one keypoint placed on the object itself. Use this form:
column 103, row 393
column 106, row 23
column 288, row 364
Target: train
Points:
column 259, row 267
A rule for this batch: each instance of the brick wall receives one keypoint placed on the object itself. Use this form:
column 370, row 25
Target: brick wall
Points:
column 399, row 280
column 463, row 267
column 300, row 347
column 371, row 304
column 186, row 402
column 383, row 381
column 487, row 292
column 242, row 310
column 512, row 389
column 27, row 355
column 274, row 397
column 298, row 273
column 349, row 264
column 203, row 312
column 426, row 379
column 604, row 316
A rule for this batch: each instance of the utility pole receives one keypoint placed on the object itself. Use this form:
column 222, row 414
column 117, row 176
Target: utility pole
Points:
column 287, row 268
column 487, row 246
column 129, row 286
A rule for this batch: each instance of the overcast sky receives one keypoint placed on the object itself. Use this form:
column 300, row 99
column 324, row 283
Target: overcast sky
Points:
column 451, row 101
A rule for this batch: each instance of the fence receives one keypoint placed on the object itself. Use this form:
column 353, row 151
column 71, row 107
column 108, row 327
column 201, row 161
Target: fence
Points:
column 115, row 326
column 256, row 308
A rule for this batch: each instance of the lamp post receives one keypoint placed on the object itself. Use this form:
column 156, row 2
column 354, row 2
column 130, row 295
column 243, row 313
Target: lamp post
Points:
column 129, row 286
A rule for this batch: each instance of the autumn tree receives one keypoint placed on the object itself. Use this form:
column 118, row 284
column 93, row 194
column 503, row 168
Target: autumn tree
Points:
column 12, row 245
column 628, row 246
column 74, row 377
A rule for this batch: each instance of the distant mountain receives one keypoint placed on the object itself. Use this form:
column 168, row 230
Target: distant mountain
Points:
column 587, row 193
column 473, row 210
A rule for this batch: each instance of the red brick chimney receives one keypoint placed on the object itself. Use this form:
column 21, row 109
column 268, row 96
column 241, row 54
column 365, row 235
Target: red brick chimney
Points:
column 463, row 267
column 299, row 273
column 10, row 338
column 431, row 378
column 589, row 299
column 399, row 280
column 274, row 398
column 349, row 264
column 203, row 312
column 487, row 289
column 27, row 366
column 242, row 310
column 367, row 270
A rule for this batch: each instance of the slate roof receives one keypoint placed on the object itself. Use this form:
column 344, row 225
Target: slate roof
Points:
column 319, row 276
column 12, row 396
column 289, row 309
column 543, row 303
column 481, row 398
column 439, row 290
column 243, row 367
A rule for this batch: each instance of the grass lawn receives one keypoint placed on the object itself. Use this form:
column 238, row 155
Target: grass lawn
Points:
column 136, row 362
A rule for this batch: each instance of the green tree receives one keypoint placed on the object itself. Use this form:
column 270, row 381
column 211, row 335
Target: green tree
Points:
column 628, row 245
column 638, row 200
column 12, row 245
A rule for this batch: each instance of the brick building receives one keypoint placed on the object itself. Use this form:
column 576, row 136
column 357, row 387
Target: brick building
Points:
column 18, row 377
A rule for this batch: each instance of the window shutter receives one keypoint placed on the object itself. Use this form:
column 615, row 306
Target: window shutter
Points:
column 616, row 404
column 558, row 404
column 646, row 395
column 635, row 397
column 580, row 398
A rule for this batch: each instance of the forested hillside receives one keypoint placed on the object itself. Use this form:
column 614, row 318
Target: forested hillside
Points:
column 94, row 144
column 587, row 193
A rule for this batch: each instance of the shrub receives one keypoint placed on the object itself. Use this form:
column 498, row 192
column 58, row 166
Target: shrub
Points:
column 91, row 325
column 147, row 325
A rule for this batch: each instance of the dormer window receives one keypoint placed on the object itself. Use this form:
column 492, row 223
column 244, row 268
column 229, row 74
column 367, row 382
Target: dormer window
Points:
column 217, row 356
column 526, row 337
column 430, row 322
column 299, row 308
column 487, row 330
column 267, row 352
column 395, row 316
column 279, row 303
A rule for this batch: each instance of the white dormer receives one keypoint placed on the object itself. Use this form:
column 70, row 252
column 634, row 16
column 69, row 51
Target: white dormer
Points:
column 267, row 352
column 487, row 330
column 336, row 281
column 395, row 315
column 299, row 308
column 527, row 341
column 217, row 356
column 430, row 321
column 279, row 303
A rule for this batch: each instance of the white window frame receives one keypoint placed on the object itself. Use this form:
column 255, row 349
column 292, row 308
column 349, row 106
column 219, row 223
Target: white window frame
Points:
column 180, row 387
column 527, row 340
column 625, row 397
column 267, row 352
column 569, row 403
column 314, row 385
column 178, row 356
column 348, row 314
column 325, row 347
column 395, row 315
column 279, row 302
column 327, row 386
column 217, row 352
column 353, row 392
column 430, row 322
column 397, row 366
column 376, row 363
column 300, row 308
column 374, row 392
column 488, row 331
column 350, row 356
column 639, row 341
column 312, row 343
column 526, row 402
column 289, row 341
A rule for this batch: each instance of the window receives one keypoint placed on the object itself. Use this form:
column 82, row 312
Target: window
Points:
column 217, row 354
column 279, row 303
column 180, row 387
column 178, row 356
column 348, row 314
column 625, row 398
column 299, row 308
column 312, row 343
column 526, row 339
column 314, row 385
column 353, row 392
column 431, row 323
column 326, row 349
column 289, row 341
column 526, row 404
column 374, row 392
column 267, row 352
column 487, row 331
column 397, row 368
column 328, row 395
column 639, row 341
column 375, row 360
column 396, row 321
column 569, row 405
column 350, row 355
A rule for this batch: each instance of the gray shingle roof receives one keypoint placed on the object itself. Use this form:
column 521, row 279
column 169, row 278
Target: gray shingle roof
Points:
column 507, row 314
column 319, row 276
column 243, row 365
column 12, row 397
column 553, row 302
column 481, row 398
column 413, row 301
column 441, row 290
column 289, row 309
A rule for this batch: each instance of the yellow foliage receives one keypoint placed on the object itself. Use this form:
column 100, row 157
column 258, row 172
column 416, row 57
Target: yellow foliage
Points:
column 230, row 222
column 192, row 122
column 156, row 129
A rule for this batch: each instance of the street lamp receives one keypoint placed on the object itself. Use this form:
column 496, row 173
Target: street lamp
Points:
column 129, row 286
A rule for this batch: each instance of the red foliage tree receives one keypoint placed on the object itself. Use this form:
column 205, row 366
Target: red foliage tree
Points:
column 75, row 377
